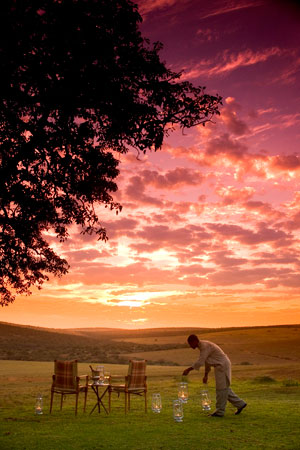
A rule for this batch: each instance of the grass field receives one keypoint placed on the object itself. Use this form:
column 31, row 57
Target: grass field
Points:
column 270, row 421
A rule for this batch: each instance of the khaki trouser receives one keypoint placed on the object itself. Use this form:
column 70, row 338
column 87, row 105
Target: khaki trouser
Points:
column 224, row 393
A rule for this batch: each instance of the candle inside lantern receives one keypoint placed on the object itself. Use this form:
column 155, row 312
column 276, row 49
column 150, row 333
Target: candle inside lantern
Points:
column 205, row 400
column 156, row 403
column 178, row 410
column 39, row 404
column 183, row 394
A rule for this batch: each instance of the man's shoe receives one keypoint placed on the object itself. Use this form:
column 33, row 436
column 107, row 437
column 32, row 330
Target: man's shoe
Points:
column 215, row 415
column 239, row 410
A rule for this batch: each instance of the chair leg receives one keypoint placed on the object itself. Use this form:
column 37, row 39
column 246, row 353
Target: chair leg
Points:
column 76, row 404
column 61, row 401
column 145, row 401
column 109, row 400
column 128, row 401
column 85, row 398
column 51, row 401
column 125, row 402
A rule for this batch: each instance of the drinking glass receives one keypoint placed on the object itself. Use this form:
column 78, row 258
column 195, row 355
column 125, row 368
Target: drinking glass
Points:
column 100, row 370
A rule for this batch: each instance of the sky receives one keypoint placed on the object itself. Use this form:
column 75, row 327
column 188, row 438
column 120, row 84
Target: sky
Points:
column 209, row 234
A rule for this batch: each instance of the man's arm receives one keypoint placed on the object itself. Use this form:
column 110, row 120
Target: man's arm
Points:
column 187, row 371
column 207, row 370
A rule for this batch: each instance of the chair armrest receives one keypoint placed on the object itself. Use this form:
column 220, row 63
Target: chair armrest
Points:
column 117, row 379
column 78, row 378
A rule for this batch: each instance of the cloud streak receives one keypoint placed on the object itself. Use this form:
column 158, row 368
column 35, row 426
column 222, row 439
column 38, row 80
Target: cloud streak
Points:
column 228, row 62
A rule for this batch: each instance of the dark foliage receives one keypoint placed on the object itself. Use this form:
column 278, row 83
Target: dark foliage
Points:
column 79, row 83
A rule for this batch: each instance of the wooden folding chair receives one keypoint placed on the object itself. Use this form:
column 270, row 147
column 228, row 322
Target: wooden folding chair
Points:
column 65, row 381
column 135, row 384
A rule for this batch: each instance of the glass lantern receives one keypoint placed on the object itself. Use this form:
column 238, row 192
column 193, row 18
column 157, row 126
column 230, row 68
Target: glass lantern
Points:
column 39, row 404
column 178, row 410
column 100, row 373
column 183, row 393
column 205, row 400
column 156, row 403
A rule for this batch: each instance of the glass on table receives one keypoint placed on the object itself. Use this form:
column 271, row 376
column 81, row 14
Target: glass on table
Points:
column 107, row 377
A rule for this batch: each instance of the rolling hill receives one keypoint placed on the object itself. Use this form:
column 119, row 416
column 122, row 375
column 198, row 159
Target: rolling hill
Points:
column 165, row 346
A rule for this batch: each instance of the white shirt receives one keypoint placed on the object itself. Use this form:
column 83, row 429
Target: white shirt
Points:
column 212, row 355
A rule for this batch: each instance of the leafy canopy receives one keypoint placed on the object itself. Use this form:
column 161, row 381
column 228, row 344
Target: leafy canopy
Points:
column 79, row 83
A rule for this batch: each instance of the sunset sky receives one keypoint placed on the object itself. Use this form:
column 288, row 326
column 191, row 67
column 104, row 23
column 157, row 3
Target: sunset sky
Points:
column 209, row 234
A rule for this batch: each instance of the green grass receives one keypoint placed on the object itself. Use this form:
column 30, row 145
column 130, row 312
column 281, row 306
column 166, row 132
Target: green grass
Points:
column 271, row 420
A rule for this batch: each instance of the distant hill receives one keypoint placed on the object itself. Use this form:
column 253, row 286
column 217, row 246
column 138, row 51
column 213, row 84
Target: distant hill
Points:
column 19, row 342
column 246, row 345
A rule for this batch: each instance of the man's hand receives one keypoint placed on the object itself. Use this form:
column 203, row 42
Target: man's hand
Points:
column 187, row 371
column 205, row 378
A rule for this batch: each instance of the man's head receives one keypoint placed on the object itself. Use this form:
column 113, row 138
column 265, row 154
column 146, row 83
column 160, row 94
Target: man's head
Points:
column 193, row 341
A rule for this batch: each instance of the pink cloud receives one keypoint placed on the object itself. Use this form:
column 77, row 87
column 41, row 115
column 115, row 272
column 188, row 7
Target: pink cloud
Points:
column 85, row 255
column 172, row 178
column 226, row 258
column 231, row 7
column 226, row 151
column 225, row 145
column 263, row 275
column 267, row 258
column 246, row 236
column 164, row 236
column 135, row 190
column 147, row 6
column 262, row 208
column 228, row 62
column 286, row 162
column 119, row 227
column 231, row 195
column 233, row 123
column 293, row 223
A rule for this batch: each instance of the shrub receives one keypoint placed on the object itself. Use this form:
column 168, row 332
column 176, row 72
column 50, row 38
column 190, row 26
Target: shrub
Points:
column 264, row 379
column 289, row 382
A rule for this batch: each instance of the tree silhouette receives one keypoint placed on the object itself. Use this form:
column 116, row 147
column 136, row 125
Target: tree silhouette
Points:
column 79, row 83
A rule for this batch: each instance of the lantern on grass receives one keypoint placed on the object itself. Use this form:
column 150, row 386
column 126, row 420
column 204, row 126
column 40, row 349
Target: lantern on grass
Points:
column 39, row 404
column 183, row 393
column 156, row 403
column 178, row 410
column 205, row 400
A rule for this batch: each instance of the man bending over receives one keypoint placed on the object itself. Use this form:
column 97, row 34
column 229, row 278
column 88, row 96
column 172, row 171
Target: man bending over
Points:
column 212, row 355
